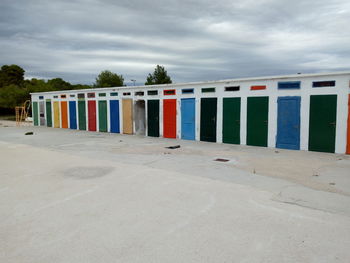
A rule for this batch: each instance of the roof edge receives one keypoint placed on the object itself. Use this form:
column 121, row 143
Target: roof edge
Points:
column 336, row 73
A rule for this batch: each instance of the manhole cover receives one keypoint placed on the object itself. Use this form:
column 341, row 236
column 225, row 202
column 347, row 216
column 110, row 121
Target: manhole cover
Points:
column 221, row 160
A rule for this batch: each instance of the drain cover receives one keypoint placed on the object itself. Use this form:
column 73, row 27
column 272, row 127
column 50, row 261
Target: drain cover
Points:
column 221, row 160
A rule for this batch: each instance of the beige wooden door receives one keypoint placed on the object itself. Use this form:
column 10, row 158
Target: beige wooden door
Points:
column 127, row 116
column 56, row 114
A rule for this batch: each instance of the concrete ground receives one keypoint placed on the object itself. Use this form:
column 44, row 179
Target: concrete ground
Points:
column 76, row 196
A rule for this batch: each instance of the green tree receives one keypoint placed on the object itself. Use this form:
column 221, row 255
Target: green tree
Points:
column 58, row 84
column 36, row 85
column 12, row 74
column 14, row 90
column 109, row 79
column 159, row 76
column 12, row 96
column 81, row 86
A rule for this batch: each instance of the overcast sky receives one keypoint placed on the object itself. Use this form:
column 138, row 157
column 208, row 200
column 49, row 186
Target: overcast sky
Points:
column 195, row 40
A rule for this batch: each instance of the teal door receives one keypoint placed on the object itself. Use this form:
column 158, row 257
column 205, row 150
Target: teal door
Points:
column 153, row 118
column 231, row 120
column 48, row 113
column 322, row 123
column 102, row 116
column 257, row 120
column 35, row 113
column 82, row 114
column 208, row 119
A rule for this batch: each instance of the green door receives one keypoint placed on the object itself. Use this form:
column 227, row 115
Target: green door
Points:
column 208, row 119
column 257, row 120
column 153, row 118
column 35, row 113
column 48, row 113
column 322, row 123
column 231, row 120
column 102, row 116
column 82, row 115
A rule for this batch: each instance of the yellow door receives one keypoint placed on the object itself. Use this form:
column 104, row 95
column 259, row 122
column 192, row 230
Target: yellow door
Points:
column 56, row 114
column 127, row 116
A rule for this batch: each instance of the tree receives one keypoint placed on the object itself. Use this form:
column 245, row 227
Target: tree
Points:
column 58, row 84
column 80, row 86
column 36, row 85
column 11, row 75
column 14, row 90
column 109, row 79
column 159, row 76
column 12, row 96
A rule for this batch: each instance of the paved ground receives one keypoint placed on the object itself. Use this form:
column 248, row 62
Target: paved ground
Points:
column 73, row 196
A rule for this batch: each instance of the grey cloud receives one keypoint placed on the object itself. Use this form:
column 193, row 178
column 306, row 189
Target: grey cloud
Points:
column 195, row 40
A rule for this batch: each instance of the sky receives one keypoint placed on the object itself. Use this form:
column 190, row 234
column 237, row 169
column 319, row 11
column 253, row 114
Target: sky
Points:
column 195, row 40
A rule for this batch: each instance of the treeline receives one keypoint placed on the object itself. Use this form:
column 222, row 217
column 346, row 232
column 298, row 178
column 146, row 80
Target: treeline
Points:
column 15, row 90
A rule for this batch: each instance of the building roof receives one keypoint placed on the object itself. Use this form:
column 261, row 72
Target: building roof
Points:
column 205, row 82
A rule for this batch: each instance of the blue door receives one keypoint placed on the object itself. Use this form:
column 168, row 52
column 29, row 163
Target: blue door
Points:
column 114, row 115
column 72, row 115
column 288, row 123
column 188, row 119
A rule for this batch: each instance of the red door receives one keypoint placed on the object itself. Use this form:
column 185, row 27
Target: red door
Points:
column 348, row 137
column 92, row 115
column 169, row 118
column 64, row 114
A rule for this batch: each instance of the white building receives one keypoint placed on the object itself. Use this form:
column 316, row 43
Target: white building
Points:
column 303, row 111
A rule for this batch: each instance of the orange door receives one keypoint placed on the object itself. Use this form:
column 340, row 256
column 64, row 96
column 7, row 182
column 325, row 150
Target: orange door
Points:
column 169, row 119
column 64, row 114
column 348, row 139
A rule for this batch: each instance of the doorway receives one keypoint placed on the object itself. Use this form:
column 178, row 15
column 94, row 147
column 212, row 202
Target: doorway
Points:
column 127, row 116
column 188, row 119
column 257, row 120
column 48, row 113
column 322, row 123
column 169, row 118
column 72, row 115
column 153, row 118
column 102, row 116
column 42, row 113
column 208, row 119
column 288, row 123
column 231, row 120
column 140, row 117
column 92, row 115
column 114, row 115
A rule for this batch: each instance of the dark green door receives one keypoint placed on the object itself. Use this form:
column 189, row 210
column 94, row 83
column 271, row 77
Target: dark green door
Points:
column 48, row 113
column 82, row 115
column 208, row 119
column 231, row 120
column 35, row 113
column 322, row 123
column 153, row 118
column 257, row 120
column 102, row 116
